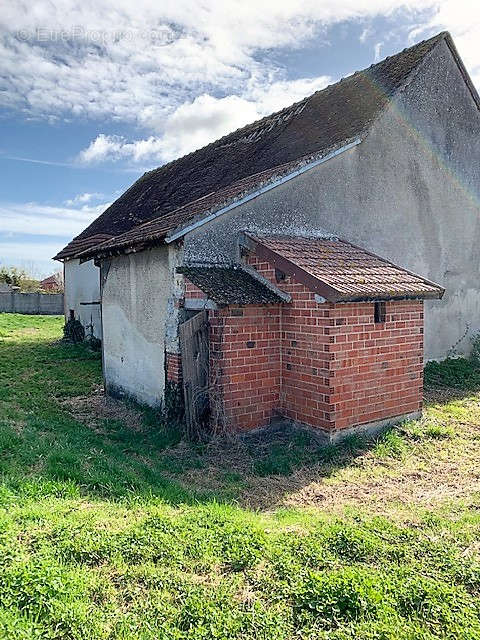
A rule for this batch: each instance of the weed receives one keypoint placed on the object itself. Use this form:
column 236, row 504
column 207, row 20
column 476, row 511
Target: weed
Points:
column 475, row 352
column 452, row 372
column 390, row 445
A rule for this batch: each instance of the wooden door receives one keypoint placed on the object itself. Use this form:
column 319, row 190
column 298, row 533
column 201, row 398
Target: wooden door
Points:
column 195, row 354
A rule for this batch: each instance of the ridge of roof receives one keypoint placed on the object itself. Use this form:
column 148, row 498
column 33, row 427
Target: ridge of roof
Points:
column 327, row 118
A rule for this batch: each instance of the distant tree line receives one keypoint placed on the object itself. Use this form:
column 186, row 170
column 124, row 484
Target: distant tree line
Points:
column 17, row 277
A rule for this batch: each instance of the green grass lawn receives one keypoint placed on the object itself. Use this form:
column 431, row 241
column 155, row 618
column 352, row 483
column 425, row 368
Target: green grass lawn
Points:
column 112, row 527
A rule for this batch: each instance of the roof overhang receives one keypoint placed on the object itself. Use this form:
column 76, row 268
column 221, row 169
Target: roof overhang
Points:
column 327, row 292
column 179, row 232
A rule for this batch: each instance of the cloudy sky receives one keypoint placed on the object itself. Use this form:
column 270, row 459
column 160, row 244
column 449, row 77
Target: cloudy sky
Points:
column 94, row 93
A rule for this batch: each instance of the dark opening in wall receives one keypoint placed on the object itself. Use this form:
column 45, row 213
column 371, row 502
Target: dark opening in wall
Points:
column 379, row 312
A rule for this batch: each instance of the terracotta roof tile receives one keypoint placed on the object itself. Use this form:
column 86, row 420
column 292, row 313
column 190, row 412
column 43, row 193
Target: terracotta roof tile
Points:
column 231, row 284
column 49, row 280
column 322, row 121
column 340, row 271
column 79, row 244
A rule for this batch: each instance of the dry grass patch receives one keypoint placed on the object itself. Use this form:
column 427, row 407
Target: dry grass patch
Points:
column 426, row 463
column 93, row 409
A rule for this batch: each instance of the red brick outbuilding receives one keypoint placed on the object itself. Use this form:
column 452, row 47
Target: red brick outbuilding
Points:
column 313, row 330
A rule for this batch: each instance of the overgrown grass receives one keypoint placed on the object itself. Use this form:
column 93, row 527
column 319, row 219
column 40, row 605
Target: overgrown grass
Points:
column 114, row 532
column 453, row 372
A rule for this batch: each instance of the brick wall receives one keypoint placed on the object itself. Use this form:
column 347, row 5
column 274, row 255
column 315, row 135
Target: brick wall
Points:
column 192, row 291
column 174, row 367
column 376, row 369
column 245, row 365
column 339, row 368
column 304, row 360
column 328, row 366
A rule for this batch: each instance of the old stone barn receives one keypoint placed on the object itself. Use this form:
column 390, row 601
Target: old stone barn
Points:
column 273, row 273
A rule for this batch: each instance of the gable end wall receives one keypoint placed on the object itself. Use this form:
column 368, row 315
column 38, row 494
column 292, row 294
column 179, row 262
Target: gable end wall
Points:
column 409, row 192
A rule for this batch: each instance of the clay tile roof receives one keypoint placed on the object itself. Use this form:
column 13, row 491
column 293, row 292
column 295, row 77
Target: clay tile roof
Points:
column 153, row 231
column 79, row 244
column 231, row 284
column 325, row 120
column 340, row 271
column 49, row 280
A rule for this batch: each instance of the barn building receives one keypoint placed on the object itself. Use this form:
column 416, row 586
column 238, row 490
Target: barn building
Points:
column 300, row 237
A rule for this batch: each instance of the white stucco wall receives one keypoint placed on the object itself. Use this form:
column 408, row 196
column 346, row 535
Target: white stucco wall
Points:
column 136, row 303
column 82, row 285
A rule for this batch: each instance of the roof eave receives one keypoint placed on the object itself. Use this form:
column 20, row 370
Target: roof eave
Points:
column 180, row 231
column 438, row 288
column 382, row 297
column 99, row 254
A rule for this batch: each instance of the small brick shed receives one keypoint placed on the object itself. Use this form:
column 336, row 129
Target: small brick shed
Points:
column 313, row 330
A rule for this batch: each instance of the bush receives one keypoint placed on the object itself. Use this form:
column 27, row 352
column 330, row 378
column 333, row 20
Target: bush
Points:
column 452, row 372
column 94, row 343
column 73, row 331
column 475, row 353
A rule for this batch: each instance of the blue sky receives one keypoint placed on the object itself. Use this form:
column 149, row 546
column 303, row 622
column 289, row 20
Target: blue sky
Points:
column 93, row 94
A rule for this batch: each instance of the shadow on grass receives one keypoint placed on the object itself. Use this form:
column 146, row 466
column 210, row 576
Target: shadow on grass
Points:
column 49, row 447
column 451, row 379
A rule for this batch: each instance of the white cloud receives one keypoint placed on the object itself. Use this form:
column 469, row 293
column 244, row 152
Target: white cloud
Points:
column 32, row 233
column 196, row 64
column 366, row 33
column 377, row 51
column 83, row 198
column 44, row 220
column 138, row 61
column 194, row 124
column 462, row 19
column 101, row 148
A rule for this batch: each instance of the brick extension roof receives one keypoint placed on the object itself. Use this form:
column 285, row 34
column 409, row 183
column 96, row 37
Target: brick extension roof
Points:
column 323, row 121
column 231, row 284
column 340, row 271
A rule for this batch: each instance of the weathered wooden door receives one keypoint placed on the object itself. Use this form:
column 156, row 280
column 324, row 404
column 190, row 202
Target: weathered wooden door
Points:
column 195, row 354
